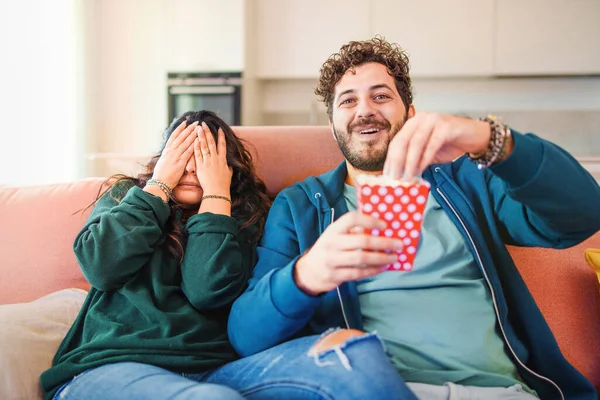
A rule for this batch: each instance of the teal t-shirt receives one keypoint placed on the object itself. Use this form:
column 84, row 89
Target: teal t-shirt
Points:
column 437, row 321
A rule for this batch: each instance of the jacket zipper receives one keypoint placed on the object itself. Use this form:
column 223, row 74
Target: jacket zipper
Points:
column 494, row 297
column 342, row 306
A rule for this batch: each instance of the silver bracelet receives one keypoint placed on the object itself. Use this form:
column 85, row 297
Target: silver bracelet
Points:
column 163, row 186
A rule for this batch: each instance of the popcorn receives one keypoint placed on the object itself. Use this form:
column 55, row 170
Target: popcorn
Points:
column 401, row 204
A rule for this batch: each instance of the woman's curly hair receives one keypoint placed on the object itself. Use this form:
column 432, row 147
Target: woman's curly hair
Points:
column 354, row 54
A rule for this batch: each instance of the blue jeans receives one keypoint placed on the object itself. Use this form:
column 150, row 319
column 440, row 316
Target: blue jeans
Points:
column 358, row 369
column 135, row 381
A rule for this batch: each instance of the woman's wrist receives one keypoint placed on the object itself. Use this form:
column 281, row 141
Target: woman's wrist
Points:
column 216, row 200
column 216, row 197
column 215, row 206
column 157, row 191
column 216, row 191
column 162, row 182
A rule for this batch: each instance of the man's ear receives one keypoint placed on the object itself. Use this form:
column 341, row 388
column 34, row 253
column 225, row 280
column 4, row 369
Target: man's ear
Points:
column 332, row 129
column 411, row 111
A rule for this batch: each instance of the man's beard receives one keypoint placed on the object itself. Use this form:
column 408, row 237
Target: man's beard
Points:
column 371, row 159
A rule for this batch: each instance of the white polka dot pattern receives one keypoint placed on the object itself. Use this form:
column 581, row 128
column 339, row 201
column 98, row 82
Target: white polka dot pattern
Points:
column 402, row 208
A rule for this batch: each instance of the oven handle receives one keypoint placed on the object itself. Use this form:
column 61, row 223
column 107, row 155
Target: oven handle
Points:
column 201, row 89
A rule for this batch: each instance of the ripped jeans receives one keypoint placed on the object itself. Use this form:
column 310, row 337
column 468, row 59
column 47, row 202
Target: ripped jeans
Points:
column 307, row 368
column 358, row 368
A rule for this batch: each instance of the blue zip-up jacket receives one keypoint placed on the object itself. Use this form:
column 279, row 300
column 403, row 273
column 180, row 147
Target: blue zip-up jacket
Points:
column 538, row 196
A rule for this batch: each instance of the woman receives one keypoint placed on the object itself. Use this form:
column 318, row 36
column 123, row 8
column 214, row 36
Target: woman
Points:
column 166, row 254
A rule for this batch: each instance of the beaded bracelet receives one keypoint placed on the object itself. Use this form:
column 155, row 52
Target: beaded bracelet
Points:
column 498, row 144
column 213, row 196
column 163, row 186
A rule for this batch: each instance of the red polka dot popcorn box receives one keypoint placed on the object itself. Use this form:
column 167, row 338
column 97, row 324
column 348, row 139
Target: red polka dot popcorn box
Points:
column 401, row 204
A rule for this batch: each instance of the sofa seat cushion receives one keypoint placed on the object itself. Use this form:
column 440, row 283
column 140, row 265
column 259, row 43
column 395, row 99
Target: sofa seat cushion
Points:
column 30, row 334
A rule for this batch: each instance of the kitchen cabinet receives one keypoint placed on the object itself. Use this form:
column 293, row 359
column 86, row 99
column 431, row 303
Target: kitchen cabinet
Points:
column 296, row 37
column 547, row 37
column 204, row 35
column 443, row 38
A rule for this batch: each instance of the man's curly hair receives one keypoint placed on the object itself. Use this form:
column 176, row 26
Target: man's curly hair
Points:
column 356, row 53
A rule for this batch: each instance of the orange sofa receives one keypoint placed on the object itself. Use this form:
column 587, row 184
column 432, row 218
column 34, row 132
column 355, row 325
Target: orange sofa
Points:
column 39, row 224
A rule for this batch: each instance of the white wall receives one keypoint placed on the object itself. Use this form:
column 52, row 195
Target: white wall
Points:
column 564, row 110
column 129, row 74
column 41, row 78
column 204, row 35
column 88, row 77
column 135, row 44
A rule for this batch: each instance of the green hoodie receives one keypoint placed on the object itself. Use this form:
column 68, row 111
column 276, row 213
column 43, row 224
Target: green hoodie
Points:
column 143, row 305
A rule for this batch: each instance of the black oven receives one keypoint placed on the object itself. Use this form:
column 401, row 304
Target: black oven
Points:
column 214, row 91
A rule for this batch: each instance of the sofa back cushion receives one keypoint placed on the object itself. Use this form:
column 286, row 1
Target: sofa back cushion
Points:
column 567, row 293
column 284, row 155
column 39, row 225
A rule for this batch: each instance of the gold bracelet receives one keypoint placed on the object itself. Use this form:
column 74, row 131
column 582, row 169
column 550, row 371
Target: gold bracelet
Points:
column 213, row 196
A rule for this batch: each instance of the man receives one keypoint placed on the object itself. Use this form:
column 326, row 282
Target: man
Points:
column 461, row 324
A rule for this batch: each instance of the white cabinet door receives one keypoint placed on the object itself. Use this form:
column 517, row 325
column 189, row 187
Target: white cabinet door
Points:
column 548, row 37
column 442, row 38
column 295, row 37
column 204, row 35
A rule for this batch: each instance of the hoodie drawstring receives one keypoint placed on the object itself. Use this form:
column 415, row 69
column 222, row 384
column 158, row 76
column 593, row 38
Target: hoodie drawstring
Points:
column 319, row 213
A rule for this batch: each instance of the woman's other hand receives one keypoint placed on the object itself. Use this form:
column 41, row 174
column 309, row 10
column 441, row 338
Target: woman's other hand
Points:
column 214, row 174
column 176, row 154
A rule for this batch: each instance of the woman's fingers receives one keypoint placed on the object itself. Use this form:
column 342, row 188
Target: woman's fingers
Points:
column 182, row 135
column 204, row 151
column 222, row 145
column 176, row 133
column 210, row 140
column 197, row 151
column 185, row 149
column 189, row 151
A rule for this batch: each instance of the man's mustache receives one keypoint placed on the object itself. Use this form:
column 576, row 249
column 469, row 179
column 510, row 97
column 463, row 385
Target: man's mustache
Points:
column 369, row 122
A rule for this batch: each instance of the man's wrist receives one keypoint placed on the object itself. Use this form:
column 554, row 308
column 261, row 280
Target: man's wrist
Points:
column 499, row 144
column 298, row 278
column 484, row 130
column 508, row 148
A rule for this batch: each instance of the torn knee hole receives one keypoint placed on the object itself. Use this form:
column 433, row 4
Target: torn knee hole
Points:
column 334, row 340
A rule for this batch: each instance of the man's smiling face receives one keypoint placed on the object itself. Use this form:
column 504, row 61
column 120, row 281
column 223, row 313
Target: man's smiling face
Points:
column 367, row 113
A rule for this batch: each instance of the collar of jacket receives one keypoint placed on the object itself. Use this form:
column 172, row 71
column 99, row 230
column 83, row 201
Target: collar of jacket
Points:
column 326, row 190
